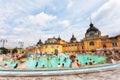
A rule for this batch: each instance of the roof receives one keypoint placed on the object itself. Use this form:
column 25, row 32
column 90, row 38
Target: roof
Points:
column 73, row 38
column 92, row 28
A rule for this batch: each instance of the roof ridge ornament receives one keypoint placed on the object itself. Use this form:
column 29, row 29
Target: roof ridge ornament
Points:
column 91, row 24
column 90, row 20
column 59, row 37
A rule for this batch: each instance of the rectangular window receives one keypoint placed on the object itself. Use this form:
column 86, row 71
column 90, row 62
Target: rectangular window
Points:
column 114, row 44
column 52, row 46
column 46, row 46
column 91, row 43
column 57, row 46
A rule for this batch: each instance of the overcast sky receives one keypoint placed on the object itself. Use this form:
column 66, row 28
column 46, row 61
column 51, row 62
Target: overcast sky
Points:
column 31, row 20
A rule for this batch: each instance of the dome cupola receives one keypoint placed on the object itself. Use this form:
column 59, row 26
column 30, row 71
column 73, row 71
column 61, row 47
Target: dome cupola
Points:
column 92, row 28
column 39, row 42
column 59, row 38
column 73, row 39
column 92, row 31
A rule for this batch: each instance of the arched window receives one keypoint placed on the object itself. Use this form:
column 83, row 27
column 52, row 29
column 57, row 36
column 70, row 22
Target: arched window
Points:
column 114, row 44
column 46, row 46
column 91, row 34
column 104, row 46
column 52, row 46
column 57, row 47
column 91, row 43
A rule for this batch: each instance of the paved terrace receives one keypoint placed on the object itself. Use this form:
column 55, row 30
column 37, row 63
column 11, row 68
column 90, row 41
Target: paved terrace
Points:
column 113, row 74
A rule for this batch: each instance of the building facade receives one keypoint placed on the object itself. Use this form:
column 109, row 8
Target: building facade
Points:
column 93, row 40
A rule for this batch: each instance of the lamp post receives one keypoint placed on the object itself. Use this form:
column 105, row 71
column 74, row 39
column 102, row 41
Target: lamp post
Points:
column 3, row 42
column 21, row 45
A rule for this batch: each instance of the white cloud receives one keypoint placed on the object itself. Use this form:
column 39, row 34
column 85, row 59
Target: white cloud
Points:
column 108, row 17
column 13, row 8
column 18, row 29
column 107, row 10
column 41, row 18
column 65, row 22
column 2, row 31
column 107, row 7
column 70, row 4
column 12, row 41
column 28, row 21
column 1, row 18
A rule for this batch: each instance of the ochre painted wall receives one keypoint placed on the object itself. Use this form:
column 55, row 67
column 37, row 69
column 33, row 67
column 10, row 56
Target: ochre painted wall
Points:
column 63, row 46
column 87, row 46
column 50, row 48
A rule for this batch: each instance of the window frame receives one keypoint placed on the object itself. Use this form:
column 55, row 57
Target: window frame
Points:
column 91, row 43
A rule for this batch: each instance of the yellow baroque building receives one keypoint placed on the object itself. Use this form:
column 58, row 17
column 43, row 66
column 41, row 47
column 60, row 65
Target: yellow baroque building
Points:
column 92, row 41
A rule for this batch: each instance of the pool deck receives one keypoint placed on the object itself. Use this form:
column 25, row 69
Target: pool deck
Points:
column 113, row 74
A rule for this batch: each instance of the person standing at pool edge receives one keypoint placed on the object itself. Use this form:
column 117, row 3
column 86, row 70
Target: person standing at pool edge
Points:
column 78, row 64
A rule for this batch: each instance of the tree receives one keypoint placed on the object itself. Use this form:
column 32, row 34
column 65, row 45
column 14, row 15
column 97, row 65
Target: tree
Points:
column 4, row 50
column 14, row 50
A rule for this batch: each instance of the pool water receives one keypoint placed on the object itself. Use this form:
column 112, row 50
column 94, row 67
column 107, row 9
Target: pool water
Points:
column 53, row 61
column 9, row 63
